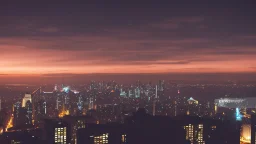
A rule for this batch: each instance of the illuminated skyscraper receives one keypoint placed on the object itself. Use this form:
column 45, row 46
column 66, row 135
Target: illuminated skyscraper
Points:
column 156, row 96
column 26, row 98
column 56, row 131
column 56, row 88
column 130, row 93
column 80, row 106
column 154, row 103
column 58, row 103
column 28, row 108
column 122, row 93
column 137, row 92
column 192, row 107
column 91, row 106
column 16, row 113
column 35, row 96
column 41, row 110
column 238, row 115
column 194, row 133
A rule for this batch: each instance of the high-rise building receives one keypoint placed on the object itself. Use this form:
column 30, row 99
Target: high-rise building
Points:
column 28, row 108
column 141, row 128
column 137, row 92
column 161, row 85
column 192, row 107
column 56, row 131
column 77, row 122
column 130, row 93
column 91, row 106
column 253, row 129
column 122, row 93
column 26, row 98
column 41, row 110
column 35, row 96
column 80, row 106
column 16, row 113
column 209, row 131
column 194, row 133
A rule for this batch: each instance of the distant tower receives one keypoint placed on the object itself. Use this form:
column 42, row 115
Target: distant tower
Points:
column 44, row 107
column 154, row 107
column 161, row 85
column 16, row 113
column 137, row 92
column 28, row 108
column 91, row 103
column 57, row 103
column 55, row 88
column 154, row 103
column 156, row 92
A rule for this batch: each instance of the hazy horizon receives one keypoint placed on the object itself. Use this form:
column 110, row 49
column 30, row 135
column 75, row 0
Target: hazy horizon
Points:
column 127, row 78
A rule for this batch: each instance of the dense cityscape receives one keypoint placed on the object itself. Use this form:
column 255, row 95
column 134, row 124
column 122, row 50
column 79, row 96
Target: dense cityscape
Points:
column 128, row 72
column 103, row 111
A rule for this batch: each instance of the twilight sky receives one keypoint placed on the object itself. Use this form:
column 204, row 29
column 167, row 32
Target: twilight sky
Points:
column 126, row 37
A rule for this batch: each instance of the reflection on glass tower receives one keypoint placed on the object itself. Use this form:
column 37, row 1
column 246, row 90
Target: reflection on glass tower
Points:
column 238, row 115
column 58, row 103
column 80, row 106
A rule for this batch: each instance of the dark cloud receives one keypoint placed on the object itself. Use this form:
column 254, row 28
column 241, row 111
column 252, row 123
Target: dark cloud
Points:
column 127, row 33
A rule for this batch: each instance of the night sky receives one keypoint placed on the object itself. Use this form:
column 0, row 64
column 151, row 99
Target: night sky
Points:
column 58, row 37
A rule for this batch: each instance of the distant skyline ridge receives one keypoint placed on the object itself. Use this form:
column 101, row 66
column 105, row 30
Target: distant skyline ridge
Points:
column 60, row 78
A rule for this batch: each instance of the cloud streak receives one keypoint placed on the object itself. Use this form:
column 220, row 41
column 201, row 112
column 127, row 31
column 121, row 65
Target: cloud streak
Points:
column 148, row 39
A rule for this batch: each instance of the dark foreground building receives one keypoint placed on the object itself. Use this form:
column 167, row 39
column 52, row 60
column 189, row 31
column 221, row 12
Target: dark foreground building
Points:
column 209, row 131
column 56, row 131
column 142, row 128
column 138, row 129
column 253, row 129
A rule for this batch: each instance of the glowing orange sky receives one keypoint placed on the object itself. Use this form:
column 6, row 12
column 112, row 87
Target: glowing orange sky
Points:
column 22, row 56
column 127, row 38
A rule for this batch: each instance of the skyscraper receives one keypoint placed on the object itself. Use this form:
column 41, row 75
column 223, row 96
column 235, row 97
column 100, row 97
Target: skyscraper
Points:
column 80, row 106
column 41, row 110
column 26, row 98
column 35, row 97
column 28, row 108
column 253, row 129
column 16, row 113
column 161, row 85
column 137, row 92
column 0, row 104
column 56, row 131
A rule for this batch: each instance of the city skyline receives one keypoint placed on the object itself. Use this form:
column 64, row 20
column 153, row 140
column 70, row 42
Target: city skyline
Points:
column 121, row 72
column 126, row 37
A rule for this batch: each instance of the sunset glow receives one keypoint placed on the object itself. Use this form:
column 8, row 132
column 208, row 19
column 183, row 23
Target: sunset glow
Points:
column 86, row 42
